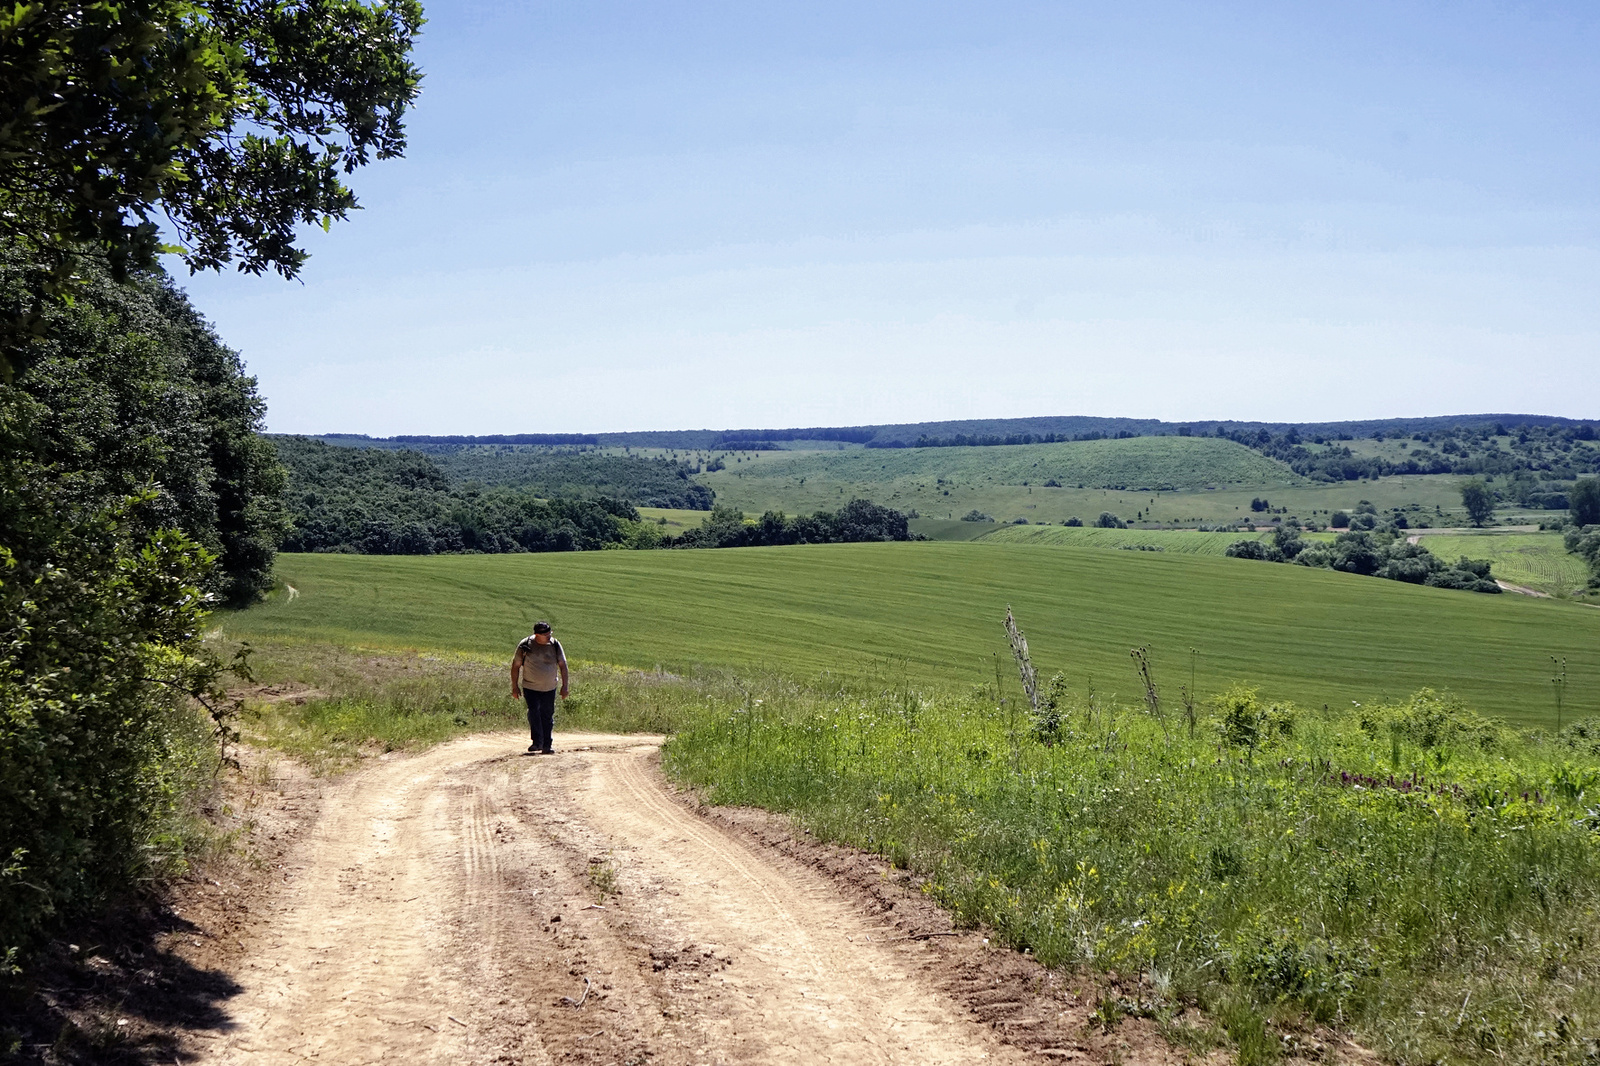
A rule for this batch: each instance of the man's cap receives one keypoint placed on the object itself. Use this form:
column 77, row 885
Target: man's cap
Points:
column 541, row 627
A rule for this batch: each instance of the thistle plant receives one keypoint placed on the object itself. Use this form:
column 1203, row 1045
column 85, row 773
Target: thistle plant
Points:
column 1559, row 682
column 1152, row 698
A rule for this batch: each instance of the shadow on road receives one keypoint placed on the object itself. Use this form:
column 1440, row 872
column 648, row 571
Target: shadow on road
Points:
column 116, row 996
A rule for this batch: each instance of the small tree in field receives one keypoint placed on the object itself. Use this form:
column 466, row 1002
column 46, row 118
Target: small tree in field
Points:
column 1584, row 502
column 1478, row 500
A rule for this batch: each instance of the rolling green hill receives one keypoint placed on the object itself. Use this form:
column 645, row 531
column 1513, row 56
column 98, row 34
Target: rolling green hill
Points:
column 1150, row 463
column 932, row 611
column 1041, row 482
column 1211, row 481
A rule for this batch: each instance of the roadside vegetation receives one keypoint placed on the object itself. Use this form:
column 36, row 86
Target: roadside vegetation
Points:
column 135, row 490
column 330, row 705
column 121, row 524
column 1409, row 872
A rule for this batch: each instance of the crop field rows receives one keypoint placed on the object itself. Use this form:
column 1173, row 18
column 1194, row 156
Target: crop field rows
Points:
column 932, row 610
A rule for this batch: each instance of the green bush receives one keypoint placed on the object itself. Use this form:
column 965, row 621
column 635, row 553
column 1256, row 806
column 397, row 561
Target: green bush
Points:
column 134, row 494
column 100, row 749
column 1430, row 720
column 1253, row 549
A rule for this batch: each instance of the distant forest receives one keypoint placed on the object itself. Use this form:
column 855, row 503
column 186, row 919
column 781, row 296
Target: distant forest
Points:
column 566, row 473
column 372, row 501
column 992, row 431
column 642, row 481
column 379, row 501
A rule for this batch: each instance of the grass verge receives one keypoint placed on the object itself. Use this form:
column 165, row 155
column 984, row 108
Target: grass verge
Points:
column 1415, row 875
column 328, row 705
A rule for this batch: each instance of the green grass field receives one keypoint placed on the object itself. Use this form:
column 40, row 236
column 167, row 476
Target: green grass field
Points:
column 1537, row 560
column 1180, row 541
column 676, row 521
column 948, row 482
column 1140, row 463
column 1206, row 481
column 951, row 528
column 932, row 611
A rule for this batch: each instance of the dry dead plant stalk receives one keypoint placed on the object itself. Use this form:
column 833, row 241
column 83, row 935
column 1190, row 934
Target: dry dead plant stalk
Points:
column 1019, row 651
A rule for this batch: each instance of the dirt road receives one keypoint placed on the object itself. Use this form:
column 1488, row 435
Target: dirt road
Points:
column 444, row 909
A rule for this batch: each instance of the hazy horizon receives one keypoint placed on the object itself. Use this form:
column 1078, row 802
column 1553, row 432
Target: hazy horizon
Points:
column 1197, row 423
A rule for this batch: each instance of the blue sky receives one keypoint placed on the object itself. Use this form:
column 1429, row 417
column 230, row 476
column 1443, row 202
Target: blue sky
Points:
column 640, row 216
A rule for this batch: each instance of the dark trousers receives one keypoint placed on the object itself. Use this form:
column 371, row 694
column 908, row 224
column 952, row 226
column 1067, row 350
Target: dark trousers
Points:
column 541, row 716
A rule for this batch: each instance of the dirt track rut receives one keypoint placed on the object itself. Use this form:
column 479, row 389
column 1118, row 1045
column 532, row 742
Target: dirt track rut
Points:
column 443, row 910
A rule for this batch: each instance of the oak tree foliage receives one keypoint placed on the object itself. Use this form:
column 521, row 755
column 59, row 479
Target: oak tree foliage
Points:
column 233, row 119
column 135, row 489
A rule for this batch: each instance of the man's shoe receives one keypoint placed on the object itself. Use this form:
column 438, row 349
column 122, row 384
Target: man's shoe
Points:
column 533, row 749
column 548, row 751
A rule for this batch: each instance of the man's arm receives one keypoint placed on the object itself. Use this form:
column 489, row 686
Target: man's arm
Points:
column 562, row 664
column 516, row 673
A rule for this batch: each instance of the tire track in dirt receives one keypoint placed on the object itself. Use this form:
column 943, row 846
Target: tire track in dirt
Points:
column 814, row 980
column 443, row 910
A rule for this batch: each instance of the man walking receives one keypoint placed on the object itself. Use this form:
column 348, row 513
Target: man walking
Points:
column 535, row 668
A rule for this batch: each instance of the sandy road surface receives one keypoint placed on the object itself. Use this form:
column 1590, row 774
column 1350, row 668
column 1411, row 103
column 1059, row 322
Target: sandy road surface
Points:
column 441, row 910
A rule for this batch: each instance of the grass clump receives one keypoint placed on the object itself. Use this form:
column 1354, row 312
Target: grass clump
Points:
column 1413, row 873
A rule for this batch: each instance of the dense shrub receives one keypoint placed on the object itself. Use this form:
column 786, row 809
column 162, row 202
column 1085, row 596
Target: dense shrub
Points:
column 1582, row 736
column 1356, row 553
column 1379, row 554
column 1470, row 575
column 1585, row 541
column 1286, row 538
column 1107, row 520
column 856, row 521
column 133, row 492
column 1431, row 719
column 1584, row 502
column 1253, row 549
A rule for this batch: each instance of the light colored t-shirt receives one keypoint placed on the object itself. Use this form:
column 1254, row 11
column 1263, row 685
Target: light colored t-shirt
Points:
column 541, row 664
